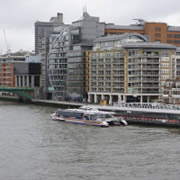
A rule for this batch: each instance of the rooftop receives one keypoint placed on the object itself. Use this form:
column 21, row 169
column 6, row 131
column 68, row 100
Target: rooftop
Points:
column 120, row 37
column 152, row 45
column 127, row 27
column 20, row 53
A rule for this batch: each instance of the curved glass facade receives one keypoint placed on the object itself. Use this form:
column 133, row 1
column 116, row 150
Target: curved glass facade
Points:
column 57, row 61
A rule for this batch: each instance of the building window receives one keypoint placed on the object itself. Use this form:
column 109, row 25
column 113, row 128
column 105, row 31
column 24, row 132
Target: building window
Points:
column 132, row 52
column 165, row 53
column 109, row 54
column 176, row 35
column 17, row 81
column 170, row 35
column 36, row 81
column 177, row 41
column 157, row 29
column 117, row 54
column 157, row 35
column 170, row 41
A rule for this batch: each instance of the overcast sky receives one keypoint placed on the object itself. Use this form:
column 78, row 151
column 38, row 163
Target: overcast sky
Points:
column 17, row 17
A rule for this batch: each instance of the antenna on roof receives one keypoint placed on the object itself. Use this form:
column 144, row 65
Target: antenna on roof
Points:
column 84, row 7
column 141, row 21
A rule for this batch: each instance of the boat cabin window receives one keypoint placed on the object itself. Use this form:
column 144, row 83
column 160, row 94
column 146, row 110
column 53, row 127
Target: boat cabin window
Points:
column 86, row 117
column 105, row 116
column 96, row 116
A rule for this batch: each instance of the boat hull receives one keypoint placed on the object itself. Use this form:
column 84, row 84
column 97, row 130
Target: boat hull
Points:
column 79, row 121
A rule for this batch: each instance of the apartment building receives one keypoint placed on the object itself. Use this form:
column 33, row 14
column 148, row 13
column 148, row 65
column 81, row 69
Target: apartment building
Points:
column 156, row 31
column 128, row 68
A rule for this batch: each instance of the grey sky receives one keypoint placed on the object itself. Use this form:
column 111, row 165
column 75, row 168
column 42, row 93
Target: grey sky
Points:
column 17, row 17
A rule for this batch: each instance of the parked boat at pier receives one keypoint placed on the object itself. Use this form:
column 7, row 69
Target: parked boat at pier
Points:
column 88, row 116
column 107, row 116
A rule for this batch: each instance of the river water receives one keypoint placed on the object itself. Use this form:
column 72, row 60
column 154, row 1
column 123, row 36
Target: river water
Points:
column 34, row 147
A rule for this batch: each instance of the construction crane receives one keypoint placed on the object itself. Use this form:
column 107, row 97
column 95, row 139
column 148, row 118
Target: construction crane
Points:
column 6, row 42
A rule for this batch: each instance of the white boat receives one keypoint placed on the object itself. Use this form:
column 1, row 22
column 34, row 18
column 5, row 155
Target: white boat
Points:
column 107, row 116
column 88, row 116
column 77, row 117
column 90, row 110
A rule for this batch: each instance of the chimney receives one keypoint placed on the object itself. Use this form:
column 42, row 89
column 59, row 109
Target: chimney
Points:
column 60, row 17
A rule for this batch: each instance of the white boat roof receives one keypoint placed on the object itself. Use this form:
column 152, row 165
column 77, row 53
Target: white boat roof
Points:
column 92, row 109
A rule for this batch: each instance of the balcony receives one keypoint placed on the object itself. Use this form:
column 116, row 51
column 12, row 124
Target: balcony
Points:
column 150, row 74
column 151, row 54
column 150, row 91
column 118, row 67
column 118, row 90
column 150, row 62
column 150, row 67
column 150, row 79
column 118, row 79
column 107, row 90
column 118, row 61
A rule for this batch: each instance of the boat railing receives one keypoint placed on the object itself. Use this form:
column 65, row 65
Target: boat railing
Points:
column 148, row 105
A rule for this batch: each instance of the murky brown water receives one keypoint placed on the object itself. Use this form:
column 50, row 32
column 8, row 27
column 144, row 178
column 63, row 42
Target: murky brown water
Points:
column 33, row 147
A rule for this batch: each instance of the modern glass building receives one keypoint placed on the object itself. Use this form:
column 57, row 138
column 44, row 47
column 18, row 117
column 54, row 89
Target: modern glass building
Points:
column 66, row 59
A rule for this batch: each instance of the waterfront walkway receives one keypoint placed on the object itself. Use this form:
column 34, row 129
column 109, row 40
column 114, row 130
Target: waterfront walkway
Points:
column 65, row 103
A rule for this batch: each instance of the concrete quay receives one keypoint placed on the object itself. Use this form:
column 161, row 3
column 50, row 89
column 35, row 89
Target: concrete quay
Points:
column 65, row 104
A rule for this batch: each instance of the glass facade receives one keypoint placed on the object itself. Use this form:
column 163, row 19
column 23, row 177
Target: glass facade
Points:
column 67, row 56
column 57, row 62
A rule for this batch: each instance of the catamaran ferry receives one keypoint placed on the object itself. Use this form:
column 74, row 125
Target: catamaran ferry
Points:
column 87, row 116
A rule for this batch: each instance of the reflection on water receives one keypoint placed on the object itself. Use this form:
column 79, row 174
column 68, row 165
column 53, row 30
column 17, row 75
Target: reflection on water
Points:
column 35, row 147
column 174, row 130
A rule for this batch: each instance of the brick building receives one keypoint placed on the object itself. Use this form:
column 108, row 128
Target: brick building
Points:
column 156, row 31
